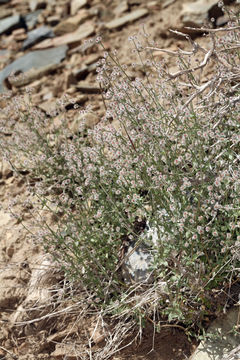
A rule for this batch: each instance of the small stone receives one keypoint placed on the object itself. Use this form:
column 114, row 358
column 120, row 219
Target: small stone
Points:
column 167, row 3
column 79, row 100
column 96, row 334
column 37, row 4
column 5, row 13
column 10, row 23
column 83, row 122
column 92, row 58
column 53, row 20
column 19, row 34
column 79, row 74
column 71, row 39
column 5, row 169
column 88, row 88
column 134, row 15
column 49, row 107
column 121, row 8
column 31, row 19
column 36, row 36
column 72, row 23
column 222, row 20
column 66, row 351
column 4, row 55
column 76, row 5
column 196, row 13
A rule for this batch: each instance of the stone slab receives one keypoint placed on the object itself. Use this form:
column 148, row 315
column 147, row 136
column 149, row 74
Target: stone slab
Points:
column 216, row 348
column 34, row 59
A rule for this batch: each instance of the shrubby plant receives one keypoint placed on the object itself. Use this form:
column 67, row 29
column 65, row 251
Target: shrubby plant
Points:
column 166, row 153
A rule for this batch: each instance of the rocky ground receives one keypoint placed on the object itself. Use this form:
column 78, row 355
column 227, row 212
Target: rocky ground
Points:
column 46, row 40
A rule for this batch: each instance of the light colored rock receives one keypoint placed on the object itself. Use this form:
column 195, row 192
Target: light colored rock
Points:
column 34, row 74
column 134, row 15
column 5, row 13
column 44, row 277
column 37, row 4
column 84, row 121
column 76, row 5
column 167, row 3
column 66, row 351
column 88, row 88
column 121, row 8
column 5, row 218
column 19, row 34
column 136, row 267
column 72, row 23
column 73, row 38
column 5, row 169
column 196, row 13
column 215, row 349
column 37, row 35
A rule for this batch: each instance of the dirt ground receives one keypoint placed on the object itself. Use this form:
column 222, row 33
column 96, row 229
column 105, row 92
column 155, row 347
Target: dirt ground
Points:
column 31, row 286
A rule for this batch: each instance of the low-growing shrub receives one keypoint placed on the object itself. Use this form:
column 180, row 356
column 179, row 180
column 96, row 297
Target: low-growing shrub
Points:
column 165, row 154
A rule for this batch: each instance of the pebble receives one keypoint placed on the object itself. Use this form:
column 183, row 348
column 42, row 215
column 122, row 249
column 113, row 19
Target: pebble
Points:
column 134, row 15
column 88, row 88
column 72, row 23
column 37, row 4
column 76, row 5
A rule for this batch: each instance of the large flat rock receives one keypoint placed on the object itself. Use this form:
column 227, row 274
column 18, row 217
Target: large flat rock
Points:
column 34, row 59
column 215, row 348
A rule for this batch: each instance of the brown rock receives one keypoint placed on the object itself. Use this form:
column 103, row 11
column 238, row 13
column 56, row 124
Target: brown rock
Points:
column 88, row 88
column 96, row 335
column 50, row 107
column 5, row 13
column 134, row 15
column 76, row 5
column 121, row 8
column 19, row 34
column 67, row 351
column 71, row 24
column 83, row 122
column 92, row 59
column 5, row 169
column 53, row 20
column 71, row 39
